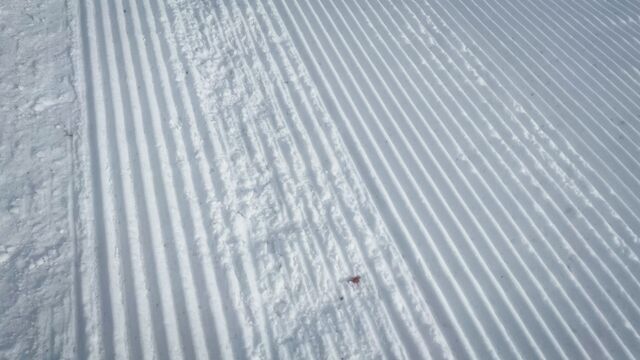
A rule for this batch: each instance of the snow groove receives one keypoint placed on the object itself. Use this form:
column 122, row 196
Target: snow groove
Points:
column 474, row 163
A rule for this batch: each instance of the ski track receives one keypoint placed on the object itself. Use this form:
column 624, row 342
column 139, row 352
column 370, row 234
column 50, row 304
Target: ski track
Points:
column 475, row 162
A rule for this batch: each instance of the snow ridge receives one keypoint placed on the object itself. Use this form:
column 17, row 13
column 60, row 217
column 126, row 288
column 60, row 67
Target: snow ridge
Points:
column 473, row 163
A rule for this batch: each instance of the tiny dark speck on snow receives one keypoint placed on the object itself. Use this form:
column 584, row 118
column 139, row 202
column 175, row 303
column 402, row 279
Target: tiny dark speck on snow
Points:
column 355, row 279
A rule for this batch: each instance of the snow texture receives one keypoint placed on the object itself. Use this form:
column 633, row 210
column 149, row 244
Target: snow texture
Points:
column 319, row 179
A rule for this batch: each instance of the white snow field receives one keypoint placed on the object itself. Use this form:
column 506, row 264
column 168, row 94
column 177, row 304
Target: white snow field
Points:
column 341, row 179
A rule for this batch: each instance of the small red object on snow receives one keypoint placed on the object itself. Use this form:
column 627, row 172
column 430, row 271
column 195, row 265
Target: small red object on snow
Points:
column 355, row 279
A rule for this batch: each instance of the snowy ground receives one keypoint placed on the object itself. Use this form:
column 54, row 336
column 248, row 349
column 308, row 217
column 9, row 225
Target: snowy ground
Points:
column 39, row 109
column 319, row 179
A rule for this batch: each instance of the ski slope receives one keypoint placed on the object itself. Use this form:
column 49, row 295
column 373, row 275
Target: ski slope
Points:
column 336, row 179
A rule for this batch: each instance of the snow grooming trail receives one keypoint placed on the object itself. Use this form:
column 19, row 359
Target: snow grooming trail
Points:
column 473, row 162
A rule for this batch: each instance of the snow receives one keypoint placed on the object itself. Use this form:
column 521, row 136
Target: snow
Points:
column 38, row 110
column 333, row 179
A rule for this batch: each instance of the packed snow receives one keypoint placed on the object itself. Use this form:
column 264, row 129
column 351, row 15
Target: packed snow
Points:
column 267, row 179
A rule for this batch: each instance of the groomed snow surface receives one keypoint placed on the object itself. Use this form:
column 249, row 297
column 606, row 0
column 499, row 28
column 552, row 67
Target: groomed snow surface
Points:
column 319, row 179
